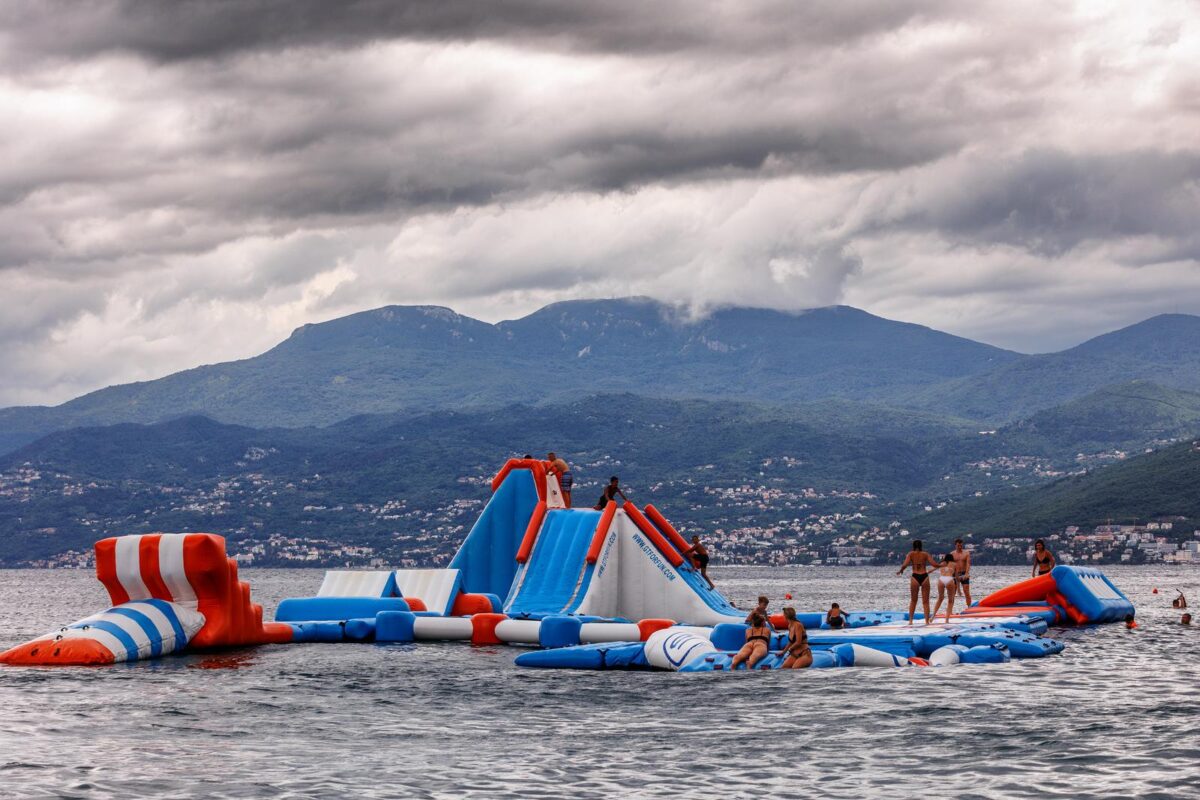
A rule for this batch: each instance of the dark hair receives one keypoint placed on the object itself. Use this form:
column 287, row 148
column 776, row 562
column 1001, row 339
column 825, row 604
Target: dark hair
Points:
column 551, row 454
column 527, row 455
column 757, row 620
column 789, row 613
column 947, row 559
column 1042, row 542
column 614, row 479
column 958, row 541
column 1186, row 619
column 762, row 598
column 916, row 544
column 835, row 605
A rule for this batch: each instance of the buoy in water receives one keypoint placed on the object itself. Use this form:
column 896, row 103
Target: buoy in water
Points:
column 787, row 596
column 1154, row 590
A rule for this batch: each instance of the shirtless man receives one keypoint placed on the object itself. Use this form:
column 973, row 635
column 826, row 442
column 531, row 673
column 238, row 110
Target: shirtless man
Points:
column 761, row 609
column 962, row 570
column 921, row 563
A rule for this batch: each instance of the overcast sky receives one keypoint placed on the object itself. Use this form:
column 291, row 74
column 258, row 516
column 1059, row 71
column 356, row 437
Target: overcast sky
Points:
column 186, row 182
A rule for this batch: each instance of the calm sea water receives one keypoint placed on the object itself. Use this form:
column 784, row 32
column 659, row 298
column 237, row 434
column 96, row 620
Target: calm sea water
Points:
column 1118, row 714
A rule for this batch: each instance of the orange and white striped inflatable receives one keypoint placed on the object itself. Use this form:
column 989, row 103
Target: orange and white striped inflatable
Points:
column 168, row 590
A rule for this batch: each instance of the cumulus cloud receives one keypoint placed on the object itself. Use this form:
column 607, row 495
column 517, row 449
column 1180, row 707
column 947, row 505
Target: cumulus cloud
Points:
column 186, row 182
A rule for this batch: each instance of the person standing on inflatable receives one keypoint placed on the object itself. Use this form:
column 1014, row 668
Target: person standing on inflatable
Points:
column 610, row 493
column 920, row 561
column 1043, row 559
column 962, row 570
column 562, row 472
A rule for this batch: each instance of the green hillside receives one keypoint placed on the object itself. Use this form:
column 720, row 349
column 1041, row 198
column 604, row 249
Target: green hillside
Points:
column 423, row 358
column 1158, row 484
column 1163, row 350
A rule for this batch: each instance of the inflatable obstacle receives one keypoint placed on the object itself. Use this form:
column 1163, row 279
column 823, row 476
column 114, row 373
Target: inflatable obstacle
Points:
column 592, row 589
column 169, row 591
column 1082, row 594
column 891, row 644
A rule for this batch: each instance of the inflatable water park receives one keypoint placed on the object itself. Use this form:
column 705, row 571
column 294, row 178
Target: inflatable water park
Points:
column 575, row 588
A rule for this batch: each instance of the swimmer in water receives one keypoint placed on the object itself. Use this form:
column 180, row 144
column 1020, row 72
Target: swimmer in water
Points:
column 947, row 584
column 1179, row 602
column 758, row 643
column 1130, row 622
column 921, row 562
column 796, row 654
column 1186, row 619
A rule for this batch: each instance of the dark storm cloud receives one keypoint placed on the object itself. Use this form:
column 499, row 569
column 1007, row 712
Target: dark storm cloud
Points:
column 186, row 181
column 198, row 29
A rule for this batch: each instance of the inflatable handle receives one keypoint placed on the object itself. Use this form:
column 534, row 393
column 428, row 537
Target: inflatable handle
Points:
column 531, row 532
column 610, row 510
column 538, row 468
column 652, row 534
column 667, row 528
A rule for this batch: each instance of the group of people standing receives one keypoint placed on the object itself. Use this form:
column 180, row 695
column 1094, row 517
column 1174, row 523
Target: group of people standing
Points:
column 953, row 572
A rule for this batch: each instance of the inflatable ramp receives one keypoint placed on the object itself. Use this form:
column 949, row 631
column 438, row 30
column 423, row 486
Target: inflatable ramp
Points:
column 195, row 582
column 1082, row 594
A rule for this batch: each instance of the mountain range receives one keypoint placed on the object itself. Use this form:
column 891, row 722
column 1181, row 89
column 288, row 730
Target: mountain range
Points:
column 831, row 419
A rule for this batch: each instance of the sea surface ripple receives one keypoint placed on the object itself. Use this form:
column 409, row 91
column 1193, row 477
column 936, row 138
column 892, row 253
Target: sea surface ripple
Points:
column 1117, row 714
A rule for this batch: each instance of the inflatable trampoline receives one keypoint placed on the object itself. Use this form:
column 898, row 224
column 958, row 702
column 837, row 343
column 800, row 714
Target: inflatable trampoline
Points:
column 608, row 589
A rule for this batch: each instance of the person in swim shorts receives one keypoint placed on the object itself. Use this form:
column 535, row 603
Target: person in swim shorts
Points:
column 698, row 553
column 610, row 493
column 835, row 618
column 562, row 473
column 796, row 653
column 761, row 608
column 962, row 571
column 758, row 643
column 921, row 562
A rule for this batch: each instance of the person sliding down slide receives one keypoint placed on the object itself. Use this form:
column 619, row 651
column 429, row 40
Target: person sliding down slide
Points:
column 920, row 561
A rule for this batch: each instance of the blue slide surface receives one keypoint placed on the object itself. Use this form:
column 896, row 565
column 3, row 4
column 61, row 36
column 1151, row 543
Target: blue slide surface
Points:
column 711, row 597
column 557, row 574
column 487, row 556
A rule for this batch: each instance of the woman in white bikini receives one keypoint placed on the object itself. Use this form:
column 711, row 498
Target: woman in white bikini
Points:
column 946, row 584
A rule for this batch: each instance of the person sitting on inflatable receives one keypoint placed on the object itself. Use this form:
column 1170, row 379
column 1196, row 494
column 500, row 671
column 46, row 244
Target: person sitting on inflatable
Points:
column 797, row 654
column 758, row 643
column 835, row 618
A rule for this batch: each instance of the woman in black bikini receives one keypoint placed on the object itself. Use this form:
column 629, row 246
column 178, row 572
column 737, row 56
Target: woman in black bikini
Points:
column 797, row 654
column 920, row 561
column 1043, row 559
column 758, row 643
